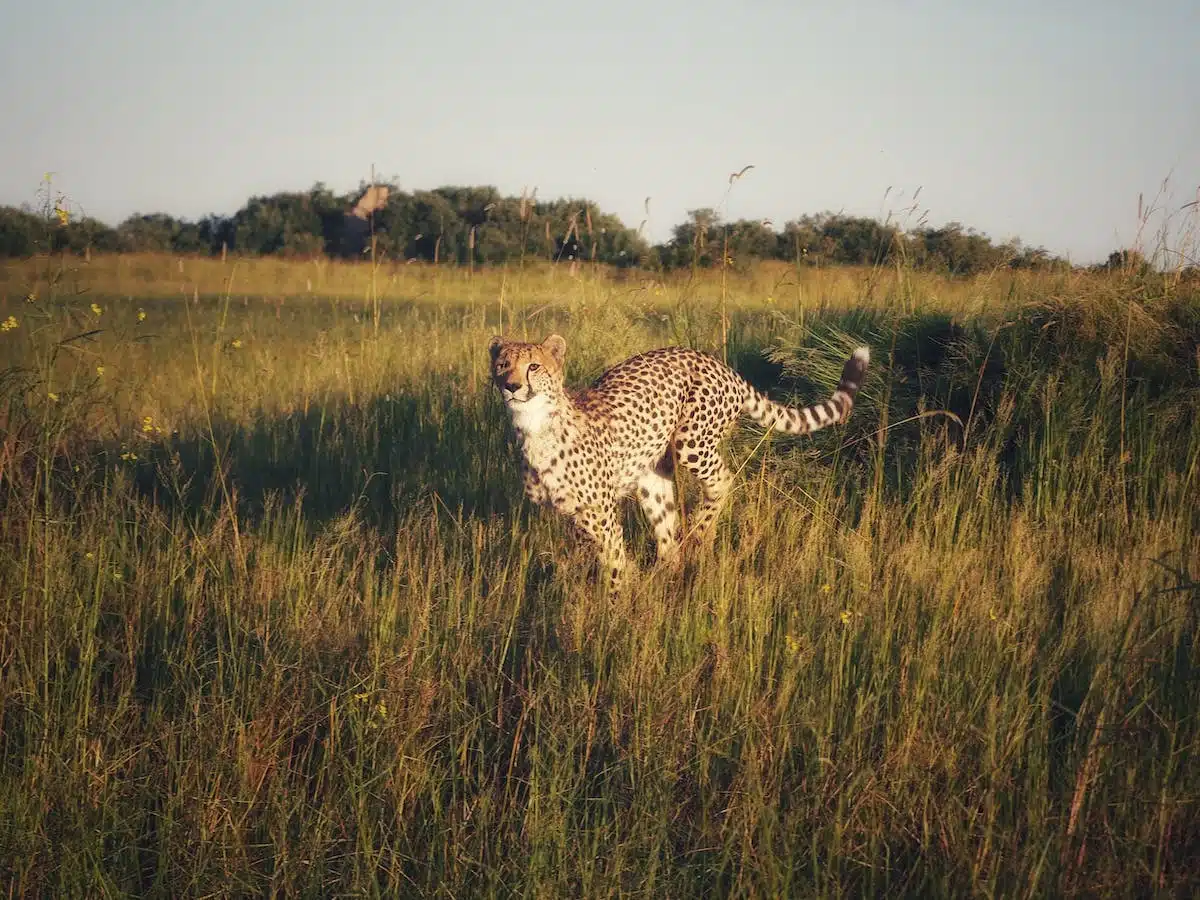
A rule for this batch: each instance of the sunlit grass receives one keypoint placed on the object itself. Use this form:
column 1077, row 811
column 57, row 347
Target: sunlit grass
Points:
column 276, row 619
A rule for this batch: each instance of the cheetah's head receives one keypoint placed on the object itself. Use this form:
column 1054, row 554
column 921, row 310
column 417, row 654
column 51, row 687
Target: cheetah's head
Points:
column 523, row 371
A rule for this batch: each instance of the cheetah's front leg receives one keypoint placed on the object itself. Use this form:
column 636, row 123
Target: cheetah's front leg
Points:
column 600, row 523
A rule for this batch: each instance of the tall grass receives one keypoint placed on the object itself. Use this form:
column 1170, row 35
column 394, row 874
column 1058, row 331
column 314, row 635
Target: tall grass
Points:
column 275, row 618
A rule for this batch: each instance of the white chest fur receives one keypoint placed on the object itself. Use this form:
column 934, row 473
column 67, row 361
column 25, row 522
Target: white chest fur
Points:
column 531, row 417
column 542, row 436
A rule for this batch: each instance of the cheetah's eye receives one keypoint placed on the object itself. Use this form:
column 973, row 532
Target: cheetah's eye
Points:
column 533, row 367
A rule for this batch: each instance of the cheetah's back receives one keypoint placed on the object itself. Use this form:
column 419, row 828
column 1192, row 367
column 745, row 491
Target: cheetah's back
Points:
column 648, row 400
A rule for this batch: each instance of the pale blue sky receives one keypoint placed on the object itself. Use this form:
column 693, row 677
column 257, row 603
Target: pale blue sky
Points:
column 1042, row 120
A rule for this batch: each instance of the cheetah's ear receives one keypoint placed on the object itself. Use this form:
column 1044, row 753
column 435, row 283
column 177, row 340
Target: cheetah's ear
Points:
column 556, row 346
column 494, row 346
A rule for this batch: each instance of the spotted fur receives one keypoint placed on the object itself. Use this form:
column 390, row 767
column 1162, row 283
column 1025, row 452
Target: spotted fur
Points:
column 583, row 452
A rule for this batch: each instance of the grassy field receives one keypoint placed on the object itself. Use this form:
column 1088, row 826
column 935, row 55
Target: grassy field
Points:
column 275, row 619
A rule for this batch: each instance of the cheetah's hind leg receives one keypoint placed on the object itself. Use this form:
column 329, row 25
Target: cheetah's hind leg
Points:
column 656, row 494
column 716, row 481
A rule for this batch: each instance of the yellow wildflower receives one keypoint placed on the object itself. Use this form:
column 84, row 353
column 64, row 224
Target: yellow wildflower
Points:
column 141, row 315
column 100, row 370
column 826, row 588
column 97, row 308
column 52, row 396
column 236, row 344
column 9, row 324
column 847, row 615
column 147, row 424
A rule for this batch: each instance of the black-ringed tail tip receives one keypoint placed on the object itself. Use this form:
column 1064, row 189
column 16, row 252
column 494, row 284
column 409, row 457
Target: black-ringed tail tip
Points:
column 582, row 452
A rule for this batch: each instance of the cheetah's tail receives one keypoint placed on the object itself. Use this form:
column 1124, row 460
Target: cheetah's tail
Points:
column 802, row 420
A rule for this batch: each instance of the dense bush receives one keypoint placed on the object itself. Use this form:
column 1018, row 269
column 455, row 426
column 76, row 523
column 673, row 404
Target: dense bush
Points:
column 479, row 226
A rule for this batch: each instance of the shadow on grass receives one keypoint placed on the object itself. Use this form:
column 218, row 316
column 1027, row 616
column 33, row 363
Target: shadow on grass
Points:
column 434, row 444
column 383, row 457
column 439, row 445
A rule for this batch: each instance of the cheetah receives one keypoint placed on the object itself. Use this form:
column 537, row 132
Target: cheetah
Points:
column 582, row 452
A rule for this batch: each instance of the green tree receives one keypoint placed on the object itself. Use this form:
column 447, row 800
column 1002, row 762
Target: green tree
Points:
column 752, row 239
column 1131, row 262
column 153, row 233
column 286, row 223
column 438, row 232
column 802, row 241
column 21, row 232
column 856, row 240
column 85, row 235
column 958, row 250
column 695, row 241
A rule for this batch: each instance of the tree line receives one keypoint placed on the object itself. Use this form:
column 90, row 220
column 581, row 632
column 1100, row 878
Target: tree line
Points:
column 478, row 226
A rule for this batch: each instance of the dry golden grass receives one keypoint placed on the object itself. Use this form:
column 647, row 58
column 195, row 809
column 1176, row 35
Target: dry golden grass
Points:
column 274, row 617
